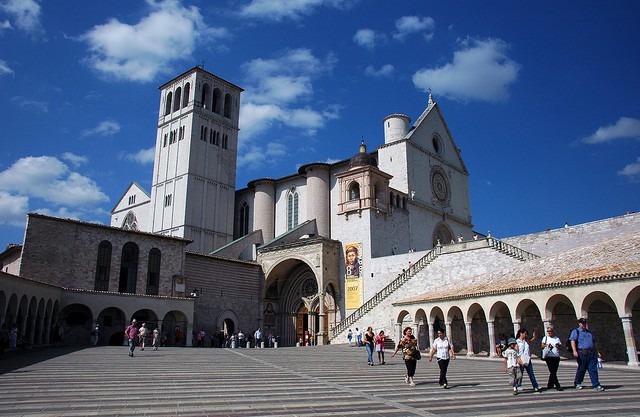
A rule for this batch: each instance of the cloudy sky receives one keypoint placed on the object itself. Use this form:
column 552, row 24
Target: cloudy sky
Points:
column 542, row 99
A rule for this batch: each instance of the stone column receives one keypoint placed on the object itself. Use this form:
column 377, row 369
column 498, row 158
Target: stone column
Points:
column 467, row 326
column 398, row 333
column 516, row 327
column 322, row 332
column 264, row 208
column 431, row 333
column 630, row 341
column 189, row 335
column 492, row 339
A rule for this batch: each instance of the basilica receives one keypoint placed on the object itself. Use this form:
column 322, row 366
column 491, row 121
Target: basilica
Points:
column 381, row 238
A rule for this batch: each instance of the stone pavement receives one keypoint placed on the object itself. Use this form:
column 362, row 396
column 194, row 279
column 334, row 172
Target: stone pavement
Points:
column 310, row 381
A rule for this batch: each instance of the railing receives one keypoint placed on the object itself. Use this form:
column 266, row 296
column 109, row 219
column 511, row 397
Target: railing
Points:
column 510, row 250
column 385, row 292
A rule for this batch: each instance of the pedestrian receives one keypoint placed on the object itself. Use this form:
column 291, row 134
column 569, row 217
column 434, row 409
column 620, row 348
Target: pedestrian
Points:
column 142, row 335
column 513, row 365
column 258, row 336
column 156, row 339
column 525, row 357
column 358, row 337
column 95, row 335
column 379, row 342
column 551, row 355
column 501, row 344
column 369, row 342
column 350, row 337
column 442, row 348
column 410, row 354
column 131, row 333
column 13, row 337
column 584, row 350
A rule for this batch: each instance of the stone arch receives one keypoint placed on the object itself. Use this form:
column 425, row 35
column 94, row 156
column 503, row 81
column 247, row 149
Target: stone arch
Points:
column 529, row 317
column 502, row 320
column 561, row 312
column 442, row 234
column 479, row 329
column 456, row 331
column 604, row 321
column 111, row 321
column 172, row 321
column 76, row 320
column 422, row 333
column 632, row 310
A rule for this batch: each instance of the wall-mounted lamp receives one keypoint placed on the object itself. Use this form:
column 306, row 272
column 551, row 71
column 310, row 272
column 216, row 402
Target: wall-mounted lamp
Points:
column 196, row 292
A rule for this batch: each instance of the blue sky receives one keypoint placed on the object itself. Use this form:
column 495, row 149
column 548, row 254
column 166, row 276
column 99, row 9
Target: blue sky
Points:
column 542, row 98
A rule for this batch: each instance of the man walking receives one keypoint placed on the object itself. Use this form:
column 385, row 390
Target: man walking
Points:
column 584, row 350
column 131, row 333
column 258, row 337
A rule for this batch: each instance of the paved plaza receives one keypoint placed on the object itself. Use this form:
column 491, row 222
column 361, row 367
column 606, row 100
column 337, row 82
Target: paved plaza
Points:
column 317, row 381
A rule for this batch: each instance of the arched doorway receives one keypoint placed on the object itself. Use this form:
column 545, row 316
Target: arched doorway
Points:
column 76, row 320
column 302, row 325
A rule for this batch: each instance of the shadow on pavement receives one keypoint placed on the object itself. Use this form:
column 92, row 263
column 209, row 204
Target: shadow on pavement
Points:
column 15, row 360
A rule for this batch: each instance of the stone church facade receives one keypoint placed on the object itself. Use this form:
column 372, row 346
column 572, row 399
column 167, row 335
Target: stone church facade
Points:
column 383, row 238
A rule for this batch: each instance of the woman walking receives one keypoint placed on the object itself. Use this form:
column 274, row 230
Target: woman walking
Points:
column 380, row 341
column 442, row 348
column 551, row 355
column 410, row 354
column 369, row 342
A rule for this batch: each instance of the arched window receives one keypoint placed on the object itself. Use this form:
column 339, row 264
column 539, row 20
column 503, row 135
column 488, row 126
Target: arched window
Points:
column 185, row 95
column 153, row 272
column 128, row 268
column 176, row 103
column 354, row 191
column 103, row 266
column 217, row 101
column 167, row 109
column 244, row 219
column 442, row 235
column 398, row 201
column 292, row 209
column 227, row 106
column 204, row 99
column 130, row 222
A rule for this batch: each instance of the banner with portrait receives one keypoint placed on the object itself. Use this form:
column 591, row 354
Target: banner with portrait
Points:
column 354, row 288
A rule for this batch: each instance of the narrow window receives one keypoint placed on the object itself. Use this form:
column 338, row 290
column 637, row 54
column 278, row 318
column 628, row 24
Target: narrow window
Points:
column 181, row 133
column 354, row 191
column 204, row 101
column 164, row 142
column 167, row 109
column 227, row 106
column 292, row 210
column 103, row 266
column 128, row 268
column 185, row 95
column 224, row 141
column 244, row 219
column 167, row 200
column 153, row 272
column 176, row 103
column 217, row 101
column 212, row 134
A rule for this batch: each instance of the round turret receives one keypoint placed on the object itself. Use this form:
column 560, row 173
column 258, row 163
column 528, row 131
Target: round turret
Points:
column 396, row 127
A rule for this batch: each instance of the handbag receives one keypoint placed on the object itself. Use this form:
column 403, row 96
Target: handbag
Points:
column 417, row 355
column 546, row 349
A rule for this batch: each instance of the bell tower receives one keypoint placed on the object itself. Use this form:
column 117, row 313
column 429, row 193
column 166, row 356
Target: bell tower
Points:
column 194, row 174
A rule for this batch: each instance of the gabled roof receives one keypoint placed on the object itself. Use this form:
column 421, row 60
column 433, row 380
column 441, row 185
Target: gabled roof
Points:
column 132, row 185
column 434, row 109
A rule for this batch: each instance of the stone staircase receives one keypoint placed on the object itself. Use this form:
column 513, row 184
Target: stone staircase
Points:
column 422, row 263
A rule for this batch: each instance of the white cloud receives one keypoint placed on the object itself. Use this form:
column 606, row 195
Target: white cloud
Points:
column 407, row 25
column 104, row 128
column 13, row 209
column 141, row 51
column 289, row 9
column 26, row 103
column 49, row 179
column 367, row 38
column 25, row 15
column 631, row 171
column 624, row 128
column 75, row 160
column 481, row 70
column 385, row 71
column 143, row 156
column 4, row 68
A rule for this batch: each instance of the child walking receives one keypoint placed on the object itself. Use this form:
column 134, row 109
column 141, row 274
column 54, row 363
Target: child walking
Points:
column 379, row 342
column 512, row 364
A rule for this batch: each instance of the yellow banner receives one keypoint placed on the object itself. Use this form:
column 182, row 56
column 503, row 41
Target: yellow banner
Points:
column 354, row 288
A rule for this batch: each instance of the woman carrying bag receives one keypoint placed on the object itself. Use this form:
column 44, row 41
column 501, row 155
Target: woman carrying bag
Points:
column 410, row 354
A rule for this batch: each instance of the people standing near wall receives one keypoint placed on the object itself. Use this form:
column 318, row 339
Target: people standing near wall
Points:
column 95, row 334
column 410, row 354
column 131, row 333
column 551, row 355
column 13, row 338
column 524, row 351
column 584, row 350
column 442, row 348
column 369, row 342
column 379, row 342
column 513, row 365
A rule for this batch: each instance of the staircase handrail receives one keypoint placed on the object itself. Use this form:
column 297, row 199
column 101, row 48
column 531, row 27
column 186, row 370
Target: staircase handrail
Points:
column 509, row 249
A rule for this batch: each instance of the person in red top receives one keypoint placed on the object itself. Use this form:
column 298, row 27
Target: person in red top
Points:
column 380, row 340
column 131, row 333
